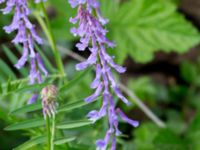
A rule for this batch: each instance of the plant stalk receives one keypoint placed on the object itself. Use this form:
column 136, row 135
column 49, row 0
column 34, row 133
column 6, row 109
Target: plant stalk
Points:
column 48, row 133
column 53, row 132
column 48, row 31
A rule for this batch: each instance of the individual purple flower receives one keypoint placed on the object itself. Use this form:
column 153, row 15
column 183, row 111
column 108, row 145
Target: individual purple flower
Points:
column 26, row 36
column 91, row 32
column 33, row 99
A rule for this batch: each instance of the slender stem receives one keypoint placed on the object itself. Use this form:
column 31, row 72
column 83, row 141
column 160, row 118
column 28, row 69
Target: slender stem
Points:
column 53, row 132
column 48, row 133
column 48, row 31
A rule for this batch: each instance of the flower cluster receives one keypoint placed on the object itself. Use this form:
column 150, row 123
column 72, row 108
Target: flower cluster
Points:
column 91, row 30
column 26, row 35
column 49, row 95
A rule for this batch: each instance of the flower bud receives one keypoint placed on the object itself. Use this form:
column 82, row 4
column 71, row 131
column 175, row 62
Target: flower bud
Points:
column 49, row 94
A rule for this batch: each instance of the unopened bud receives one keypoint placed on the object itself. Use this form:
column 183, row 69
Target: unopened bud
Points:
column 49, row 95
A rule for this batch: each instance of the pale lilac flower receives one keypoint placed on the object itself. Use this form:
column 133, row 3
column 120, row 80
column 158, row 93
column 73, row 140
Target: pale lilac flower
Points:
column 26, row 36
column 91, row 32
column 33, row 99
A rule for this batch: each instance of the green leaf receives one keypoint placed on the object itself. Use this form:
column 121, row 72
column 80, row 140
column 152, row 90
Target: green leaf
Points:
column 13, row 59
column 59, row 25
column 193, row 133
column 142, row 27
column 144, row 136
column 75, row 81
column 74, row 124
column 30, row 143
column 189, row 72
column 27, row 108
column 32, row 123
column 167, row 140
column 73, row 105
column 64, row 140
column 32, row 87
column 6, row 70
column 143, row 87
column 9, row 87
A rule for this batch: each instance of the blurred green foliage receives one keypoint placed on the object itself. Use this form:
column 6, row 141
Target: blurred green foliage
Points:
column 139, row 28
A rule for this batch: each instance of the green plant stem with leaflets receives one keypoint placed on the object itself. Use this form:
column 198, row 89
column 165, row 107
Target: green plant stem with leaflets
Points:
column 50, row 122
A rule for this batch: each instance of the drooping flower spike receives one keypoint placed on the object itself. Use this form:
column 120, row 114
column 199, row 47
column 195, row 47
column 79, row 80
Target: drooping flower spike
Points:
column 91, row 31
column 26, row 36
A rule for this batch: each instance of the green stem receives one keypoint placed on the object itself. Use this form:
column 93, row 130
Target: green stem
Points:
column 53, row 132
column 48, row 31
column 48, row 133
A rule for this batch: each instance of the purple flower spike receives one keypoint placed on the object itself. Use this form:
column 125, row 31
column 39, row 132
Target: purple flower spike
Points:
column 26, row 35
column 91, row 32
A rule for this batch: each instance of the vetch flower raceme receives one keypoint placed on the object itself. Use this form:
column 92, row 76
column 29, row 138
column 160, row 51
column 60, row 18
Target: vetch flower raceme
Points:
column 90, row 30
column 26, row 35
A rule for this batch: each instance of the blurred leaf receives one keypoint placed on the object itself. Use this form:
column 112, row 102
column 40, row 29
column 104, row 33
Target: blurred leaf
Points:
column 6, row 70
column 193, row 135
column 175, row 119
column 32, row 142
column 189, row 72
column 32, row 123
column 143, row 87
column 74, row 124
column 142, row 27
column 71, row 106
column 144, row 136
column 32, row 87
column 60, row 22
column 9, row 87
column 167, row 140
column 74, row 82
column 74, row 105
column 64, row 140
column 27, row 108
column 14, row 59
